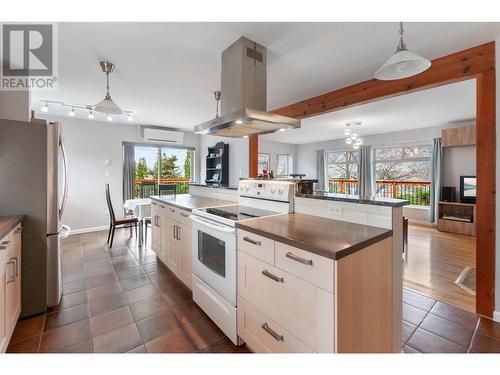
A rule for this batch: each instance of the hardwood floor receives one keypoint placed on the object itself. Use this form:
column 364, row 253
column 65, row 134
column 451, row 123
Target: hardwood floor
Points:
column 435, row 259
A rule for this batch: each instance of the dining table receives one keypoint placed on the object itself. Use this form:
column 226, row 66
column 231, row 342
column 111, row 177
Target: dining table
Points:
column 141, row 208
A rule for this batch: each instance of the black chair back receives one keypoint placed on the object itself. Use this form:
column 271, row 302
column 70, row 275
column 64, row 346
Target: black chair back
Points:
column 167, row 189
column 148, row 188
column 110, row 205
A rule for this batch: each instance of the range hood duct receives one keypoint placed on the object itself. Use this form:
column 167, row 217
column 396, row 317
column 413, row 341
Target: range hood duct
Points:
column 244, row 95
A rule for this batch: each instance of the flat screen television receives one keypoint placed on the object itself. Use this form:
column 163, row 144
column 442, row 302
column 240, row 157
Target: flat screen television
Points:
column 468, row 189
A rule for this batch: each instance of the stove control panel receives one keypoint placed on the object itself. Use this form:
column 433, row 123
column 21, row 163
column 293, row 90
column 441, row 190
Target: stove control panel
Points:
column 265, row 189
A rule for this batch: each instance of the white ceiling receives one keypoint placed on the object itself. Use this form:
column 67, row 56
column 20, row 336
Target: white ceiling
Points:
column 166, row 72
column 437, row 106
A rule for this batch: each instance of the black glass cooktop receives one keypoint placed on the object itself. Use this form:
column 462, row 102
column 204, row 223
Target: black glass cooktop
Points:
column 237, row 212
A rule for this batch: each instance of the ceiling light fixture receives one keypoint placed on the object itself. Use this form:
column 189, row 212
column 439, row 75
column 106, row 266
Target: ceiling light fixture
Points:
column 45, row 108
column 107, row 105
column 91, row 114
column 403, row 63
column 72, row 112
column 129, row 117
column 353, row 138
column 108, row 117
column 239, row 122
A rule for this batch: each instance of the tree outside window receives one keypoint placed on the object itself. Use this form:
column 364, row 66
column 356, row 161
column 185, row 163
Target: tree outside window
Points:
column 343, row 171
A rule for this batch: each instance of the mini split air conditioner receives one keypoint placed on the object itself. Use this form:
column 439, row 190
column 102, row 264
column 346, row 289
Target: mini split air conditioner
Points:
column 164, row 136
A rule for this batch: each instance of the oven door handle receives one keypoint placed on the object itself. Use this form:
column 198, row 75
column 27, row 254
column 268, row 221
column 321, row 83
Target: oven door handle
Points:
column 210, row 224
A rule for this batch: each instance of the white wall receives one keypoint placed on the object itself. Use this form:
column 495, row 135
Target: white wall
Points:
column 306, row 153
column 458, row 161
column 88, row 144
column 274, row 148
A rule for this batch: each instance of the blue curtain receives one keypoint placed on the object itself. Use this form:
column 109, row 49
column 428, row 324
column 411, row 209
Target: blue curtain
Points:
column 321, row 170
column 437, row 177
column 366, row 173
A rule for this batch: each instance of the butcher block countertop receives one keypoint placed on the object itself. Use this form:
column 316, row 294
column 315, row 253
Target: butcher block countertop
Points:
column 189, row 202
column 7, row 223
column 330, row 238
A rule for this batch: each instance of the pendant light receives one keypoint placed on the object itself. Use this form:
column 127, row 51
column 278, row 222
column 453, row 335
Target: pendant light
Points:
column 107, row 105
column 403, row 63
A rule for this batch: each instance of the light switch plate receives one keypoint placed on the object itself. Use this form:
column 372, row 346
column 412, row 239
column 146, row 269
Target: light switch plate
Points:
column 335, row 211
column 107, row 161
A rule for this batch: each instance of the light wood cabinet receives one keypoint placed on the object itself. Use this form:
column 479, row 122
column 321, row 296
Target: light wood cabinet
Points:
column 171, row 239
column 459, row 136
column 10, row 285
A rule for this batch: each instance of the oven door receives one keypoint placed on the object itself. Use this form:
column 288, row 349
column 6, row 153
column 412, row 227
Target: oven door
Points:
column 214, row 256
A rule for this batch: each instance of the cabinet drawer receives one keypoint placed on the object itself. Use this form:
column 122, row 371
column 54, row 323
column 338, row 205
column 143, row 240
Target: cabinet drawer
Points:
column 6, row 246
column 298, row 306
column 314, row 268
column 181, row 216
column 263, row 335
column 255, row 245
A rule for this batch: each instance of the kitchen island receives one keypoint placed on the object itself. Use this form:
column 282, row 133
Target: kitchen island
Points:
column 313, row 284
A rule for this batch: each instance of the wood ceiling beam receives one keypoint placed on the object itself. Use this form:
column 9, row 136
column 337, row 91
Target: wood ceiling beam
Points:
column 456, row 67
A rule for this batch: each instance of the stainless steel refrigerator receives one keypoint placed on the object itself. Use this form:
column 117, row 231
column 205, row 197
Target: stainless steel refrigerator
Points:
column 34, row 183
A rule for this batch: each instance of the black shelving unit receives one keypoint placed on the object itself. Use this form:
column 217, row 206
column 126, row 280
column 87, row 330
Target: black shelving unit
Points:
column 217, row 165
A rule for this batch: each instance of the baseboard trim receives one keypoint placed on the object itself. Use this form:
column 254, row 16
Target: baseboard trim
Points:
column 88, row 230
column 496, row 316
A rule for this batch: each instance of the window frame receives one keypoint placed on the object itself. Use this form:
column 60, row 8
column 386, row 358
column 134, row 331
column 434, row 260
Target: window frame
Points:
column 404, row 158
column 268, row 156
column 343, row 163
column 289, row 162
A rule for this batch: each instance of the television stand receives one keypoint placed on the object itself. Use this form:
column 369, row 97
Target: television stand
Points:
column 457, row 217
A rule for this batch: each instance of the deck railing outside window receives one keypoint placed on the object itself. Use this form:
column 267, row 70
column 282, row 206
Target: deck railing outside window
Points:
column 181, row 185
column 417, row 192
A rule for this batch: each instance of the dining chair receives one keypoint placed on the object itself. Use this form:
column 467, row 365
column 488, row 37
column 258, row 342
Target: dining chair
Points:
column 148, row 188
column 126, row 221
column 167, row 189
column 147, row 221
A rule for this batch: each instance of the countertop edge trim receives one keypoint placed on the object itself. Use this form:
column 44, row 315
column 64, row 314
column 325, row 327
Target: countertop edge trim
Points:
column 16, row 219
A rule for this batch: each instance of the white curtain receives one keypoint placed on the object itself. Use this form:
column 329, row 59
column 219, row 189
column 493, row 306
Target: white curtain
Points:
column 437, row 177
column 321, row 170
column 366, row 172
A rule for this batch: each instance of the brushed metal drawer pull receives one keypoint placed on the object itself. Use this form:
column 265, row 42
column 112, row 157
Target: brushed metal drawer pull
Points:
column 273, row 277
column 253, row 242
column 269, row 330
column 171, row 209
column 175, row 232
column 19, row 230
column 184, row 214
column 296, row 258
column 162, row 206
column 4, row 245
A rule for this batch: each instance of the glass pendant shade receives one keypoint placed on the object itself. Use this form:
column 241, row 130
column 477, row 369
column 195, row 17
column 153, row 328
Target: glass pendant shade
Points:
column 108, row 106
column 402, row 64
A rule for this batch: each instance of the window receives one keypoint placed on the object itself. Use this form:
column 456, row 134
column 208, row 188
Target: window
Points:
column 404, row 172
column 164, row 165
column 263, row 163
column 343, row 172
column 283, row 165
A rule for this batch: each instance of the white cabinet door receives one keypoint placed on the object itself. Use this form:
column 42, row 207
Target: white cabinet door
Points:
column 185, row 245
column 298, row 306
column 172, row 252
column 155, row 229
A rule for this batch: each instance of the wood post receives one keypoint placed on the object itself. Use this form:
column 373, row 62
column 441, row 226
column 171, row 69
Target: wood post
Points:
column 253, row 155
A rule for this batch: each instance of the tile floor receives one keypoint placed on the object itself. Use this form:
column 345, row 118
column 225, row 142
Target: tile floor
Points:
column 119, row 300
column 430, row 326
column 124, row 300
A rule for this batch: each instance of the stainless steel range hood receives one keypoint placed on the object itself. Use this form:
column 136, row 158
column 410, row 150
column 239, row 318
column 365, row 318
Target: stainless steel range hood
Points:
column 244, row 95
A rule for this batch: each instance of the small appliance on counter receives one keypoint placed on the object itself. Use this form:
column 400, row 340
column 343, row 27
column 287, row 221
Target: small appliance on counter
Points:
column 214, row 246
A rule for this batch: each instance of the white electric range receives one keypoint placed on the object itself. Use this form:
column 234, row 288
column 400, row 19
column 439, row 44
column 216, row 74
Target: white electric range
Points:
column 214, row 246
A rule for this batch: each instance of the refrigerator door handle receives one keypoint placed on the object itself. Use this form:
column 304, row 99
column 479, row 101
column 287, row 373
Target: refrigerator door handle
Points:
column 65, row 162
